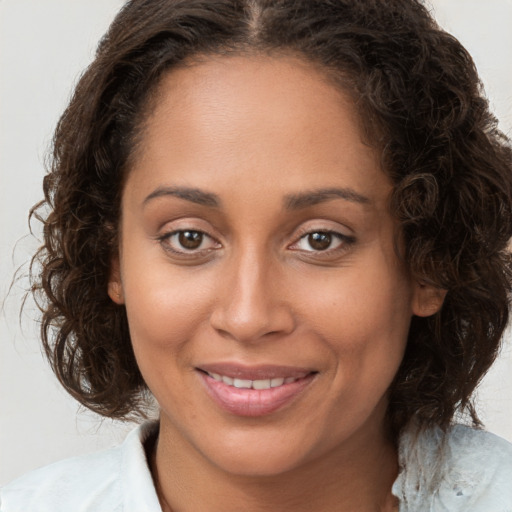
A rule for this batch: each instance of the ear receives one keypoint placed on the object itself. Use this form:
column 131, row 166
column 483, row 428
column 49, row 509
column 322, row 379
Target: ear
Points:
column 427, row 299
column 115, row 285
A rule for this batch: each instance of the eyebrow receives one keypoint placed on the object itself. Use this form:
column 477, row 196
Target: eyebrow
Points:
column 313, row 197
column 194, row 195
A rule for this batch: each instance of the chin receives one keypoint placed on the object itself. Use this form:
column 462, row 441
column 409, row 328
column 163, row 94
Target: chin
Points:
column 260, row 461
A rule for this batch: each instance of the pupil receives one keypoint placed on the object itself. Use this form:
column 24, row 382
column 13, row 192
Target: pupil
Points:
column 190, row 239
column 320, row 241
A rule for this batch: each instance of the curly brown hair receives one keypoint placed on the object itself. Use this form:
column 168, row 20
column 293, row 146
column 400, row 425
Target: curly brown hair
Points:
column 421, row 104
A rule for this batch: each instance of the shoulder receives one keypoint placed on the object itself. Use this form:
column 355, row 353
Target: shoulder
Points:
column 460, row 470
column 92, row 483
column 65, row 484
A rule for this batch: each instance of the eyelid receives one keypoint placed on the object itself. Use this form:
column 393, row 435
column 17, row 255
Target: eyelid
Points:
column 170, row 234
column 347, row 240
column 340, row 236
column 171, row 229
column 323, row 226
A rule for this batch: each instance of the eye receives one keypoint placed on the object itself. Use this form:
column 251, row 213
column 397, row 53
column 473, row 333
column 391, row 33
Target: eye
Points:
column 319, row 241
column 322, row 241
column 188, row 241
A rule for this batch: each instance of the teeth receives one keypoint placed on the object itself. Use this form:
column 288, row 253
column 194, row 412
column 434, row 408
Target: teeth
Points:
column 254, row 384
column 241, row 383
column 261, row 384
column 228, row 380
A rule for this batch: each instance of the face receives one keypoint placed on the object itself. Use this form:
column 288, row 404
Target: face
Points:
column 267, row 307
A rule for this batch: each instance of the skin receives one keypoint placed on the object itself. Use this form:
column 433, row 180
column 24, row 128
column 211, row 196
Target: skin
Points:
column 256, row 132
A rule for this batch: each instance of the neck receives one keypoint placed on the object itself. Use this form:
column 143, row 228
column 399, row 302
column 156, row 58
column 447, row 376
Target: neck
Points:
column 357, row 476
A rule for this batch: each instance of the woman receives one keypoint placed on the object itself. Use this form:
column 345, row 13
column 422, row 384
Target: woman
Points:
column 288, row 222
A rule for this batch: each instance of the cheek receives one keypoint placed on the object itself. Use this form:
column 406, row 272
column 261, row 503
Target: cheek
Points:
column 363, row 316
column 357, row 304
column 165, row 312
column 165, row 306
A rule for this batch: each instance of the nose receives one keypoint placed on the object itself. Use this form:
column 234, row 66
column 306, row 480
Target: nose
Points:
column 251, row 304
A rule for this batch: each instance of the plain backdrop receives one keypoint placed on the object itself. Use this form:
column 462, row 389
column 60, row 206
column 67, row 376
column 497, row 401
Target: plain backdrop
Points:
column 44, row 45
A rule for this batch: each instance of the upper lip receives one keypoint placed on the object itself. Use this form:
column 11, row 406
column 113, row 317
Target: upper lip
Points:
column 256, row 372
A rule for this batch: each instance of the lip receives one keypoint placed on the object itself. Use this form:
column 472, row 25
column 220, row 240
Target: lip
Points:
column 254, row 402
column 267, row 371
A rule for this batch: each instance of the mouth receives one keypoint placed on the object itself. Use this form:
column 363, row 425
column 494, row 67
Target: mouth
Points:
column 254, row 391
column 253, row 384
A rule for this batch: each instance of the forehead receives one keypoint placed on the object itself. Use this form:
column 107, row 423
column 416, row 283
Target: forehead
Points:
column 254, row 93
column 250, row 116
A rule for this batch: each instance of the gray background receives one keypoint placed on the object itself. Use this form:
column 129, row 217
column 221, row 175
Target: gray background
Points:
column 44, row 45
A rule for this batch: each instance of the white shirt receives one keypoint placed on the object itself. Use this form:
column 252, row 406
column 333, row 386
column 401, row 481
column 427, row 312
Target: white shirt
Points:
column 474, row 474
column 467, row 470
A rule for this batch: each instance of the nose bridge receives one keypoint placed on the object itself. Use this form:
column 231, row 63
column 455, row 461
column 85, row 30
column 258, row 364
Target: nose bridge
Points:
column 250, row 305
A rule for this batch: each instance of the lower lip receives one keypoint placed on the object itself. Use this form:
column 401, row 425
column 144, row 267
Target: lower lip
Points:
column 254, row 402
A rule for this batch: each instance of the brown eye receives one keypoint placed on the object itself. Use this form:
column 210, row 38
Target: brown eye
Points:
column 188, row 243
column 323, row 243
column 190, row 239
column 320, row 241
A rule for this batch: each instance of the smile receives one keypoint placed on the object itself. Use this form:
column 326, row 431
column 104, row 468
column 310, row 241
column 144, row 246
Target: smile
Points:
column 253, row 384
column 255, row 391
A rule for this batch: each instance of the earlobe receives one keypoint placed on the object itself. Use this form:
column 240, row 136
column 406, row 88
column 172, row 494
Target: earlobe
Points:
column 115, row 286
column 428, row 299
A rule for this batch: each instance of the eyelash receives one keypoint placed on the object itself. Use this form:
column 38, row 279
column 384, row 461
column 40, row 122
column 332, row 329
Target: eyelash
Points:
column 166, row 242
column 344, row 243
